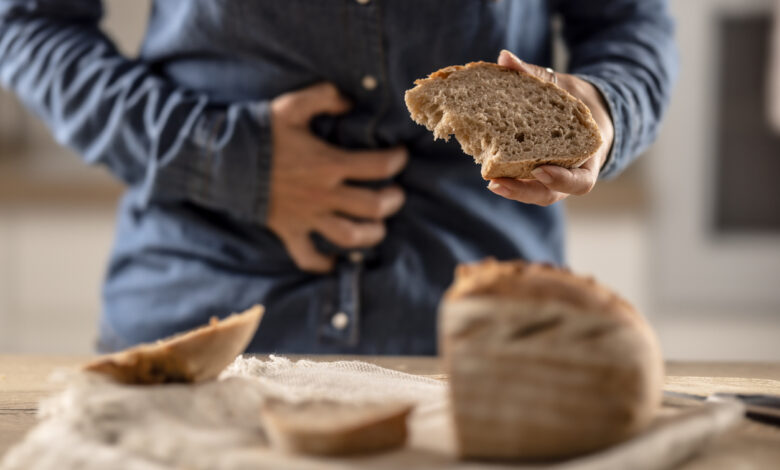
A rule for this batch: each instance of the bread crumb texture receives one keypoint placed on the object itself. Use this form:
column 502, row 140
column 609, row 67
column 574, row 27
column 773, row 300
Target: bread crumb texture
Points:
column 509, row 121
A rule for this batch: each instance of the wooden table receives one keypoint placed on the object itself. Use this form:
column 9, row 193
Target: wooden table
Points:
column 751, row 446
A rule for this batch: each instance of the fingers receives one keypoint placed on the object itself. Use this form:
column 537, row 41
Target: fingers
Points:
column 299, row 107
column 509, row 60
column 552, row 184
column 367, row 203
column 526, row 191
column 339, row 230
column 372, row 165
column 305, row 255
column 350, row 234
column 577, row 181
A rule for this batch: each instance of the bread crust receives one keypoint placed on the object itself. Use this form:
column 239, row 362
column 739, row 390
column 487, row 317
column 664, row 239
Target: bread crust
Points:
column 330, row 428
column 544, row 364
column 194, row 356
column 494, row 167
column 522, row 169
column 518, row 279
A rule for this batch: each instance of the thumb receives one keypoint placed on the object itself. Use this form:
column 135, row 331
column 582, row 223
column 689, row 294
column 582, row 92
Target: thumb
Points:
column 509, row 60
column 300, row 106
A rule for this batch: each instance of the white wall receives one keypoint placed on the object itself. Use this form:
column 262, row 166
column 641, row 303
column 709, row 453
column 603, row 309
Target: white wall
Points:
column 52, row 260
column 616, row 248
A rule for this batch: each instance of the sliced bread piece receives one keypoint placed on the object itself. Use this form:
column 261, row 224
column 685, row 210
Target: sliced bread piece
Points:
column 509, row 121
column 326, row 427
column 194, row 356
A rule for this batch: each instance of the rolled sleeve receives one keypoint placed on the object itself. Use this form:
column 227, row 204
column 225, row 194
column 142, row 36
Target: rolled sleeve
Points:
column 610, row 168
column 227, row 166
column 172, row 143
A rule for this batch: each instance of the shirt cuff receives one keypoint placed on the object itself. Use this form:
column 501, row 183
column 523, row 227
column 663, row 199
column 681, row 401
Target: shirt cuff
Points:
column 226, row 163
column 610, row 168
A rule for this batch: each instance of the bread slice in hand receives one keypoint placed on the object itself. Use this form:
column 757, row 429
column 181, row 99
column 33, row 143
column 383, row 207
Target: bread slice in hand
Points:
column 332, row 428
column 509, row 121
column 193, row 356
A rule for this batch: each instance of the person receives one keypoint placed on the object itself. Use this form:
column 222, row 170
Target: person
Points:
column 269, row 157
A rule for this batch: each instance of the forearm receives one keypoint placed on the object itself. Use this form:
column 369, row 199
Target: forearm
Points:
column 626, row 49
column 172, row 143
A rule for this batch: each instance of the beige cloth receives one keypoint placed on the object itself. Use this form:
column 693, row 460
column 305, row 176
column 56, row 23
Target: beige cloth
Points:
column 95, row 424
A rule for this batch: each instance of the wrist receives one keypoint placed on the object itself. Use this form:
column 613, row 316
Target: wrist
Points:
column 599, row 109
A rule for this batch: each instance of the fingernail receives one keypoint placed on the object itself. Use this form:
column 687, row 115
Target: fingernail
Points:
column 511, row 55
column 542, row 176
column 496, row 187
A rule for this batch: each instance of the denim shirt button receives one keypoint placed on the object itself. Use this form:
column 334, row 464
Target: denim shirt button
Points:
column 356, row 256
column 339, row 321
column 369, row 82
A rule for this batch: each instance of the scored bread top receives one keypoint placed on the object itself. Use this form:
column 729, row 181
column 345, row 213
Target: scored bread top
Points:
column 537, row 282
column 509, row 121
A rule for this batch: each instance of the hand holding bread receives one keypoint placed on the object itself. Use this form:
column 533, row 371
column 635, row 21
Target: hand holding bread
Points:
column 539, row 136
column 554, row 183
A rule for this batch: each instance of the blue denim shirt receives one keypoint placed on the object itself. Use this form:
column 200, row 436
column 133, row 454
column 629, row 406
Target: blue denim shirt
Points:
column 186, row 127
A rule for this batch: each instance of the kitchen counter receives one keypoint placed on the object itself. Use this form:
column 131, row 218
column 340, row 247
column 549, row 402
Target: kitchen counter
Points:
column 23, row 382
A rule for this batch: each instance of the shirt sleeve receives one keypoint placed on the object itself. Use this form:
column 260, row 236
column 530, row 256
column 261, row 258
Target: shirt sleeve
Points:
column 170, row 143
column 626, row 49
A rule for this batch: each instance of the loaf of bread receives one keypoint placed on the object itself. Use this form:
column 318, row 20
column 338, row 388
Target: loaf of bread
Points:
column 509, row 121
column 333, row 428
column 544, row 364
column 193, row 356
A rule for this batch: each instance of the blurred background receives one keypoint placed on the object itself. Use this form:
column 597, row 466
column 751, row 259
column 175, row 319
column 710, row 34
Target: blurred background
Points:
column 690, row 234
